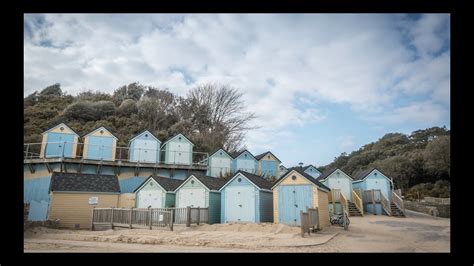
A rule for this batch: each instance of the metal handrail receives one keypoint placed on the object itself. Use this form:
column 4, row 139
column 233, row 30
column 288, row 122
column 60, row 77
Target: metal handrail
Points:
column 124, row 154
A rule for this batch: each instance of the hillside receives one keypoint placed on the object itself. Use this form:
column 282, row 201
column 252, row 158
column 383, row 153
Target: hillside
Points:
column 421, row 157
column 209, row 116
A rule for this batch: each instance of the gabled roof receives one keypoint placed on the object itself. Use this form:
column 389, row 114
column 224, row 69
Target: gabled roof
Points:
column 166, row 183
column 258, row 181
column 146, row 131
column 300, row 171
column 212, row 183
column 308, row 166
column 84, row 182
column 237, row 154
column 61, row 124
column 260, row 156
column 328, row 172
column 363, row 174
column 103, row 128
column 214, row 152
column 177, row 136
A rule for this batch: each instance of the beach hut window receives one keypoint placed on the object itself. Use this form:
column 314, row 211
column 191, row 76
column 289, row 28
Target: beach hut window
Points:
column 293, row 177
column 179, row 138
column 101, row 132
column 239, row 179
column 375, row 173
column 61, row 128
column 146, row 135
column 192, row 181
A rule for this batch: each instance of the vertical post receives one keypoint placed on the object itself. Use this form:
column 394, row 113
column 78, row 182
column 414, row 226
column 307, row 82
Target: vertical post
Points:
column 139, row 153
column 302, row 224
column 171, row 219
column 130, row 217
column 188, row 216
column 27, row 150
column 373, row 202
column 112, row 218
column 150, row 215
column 92, row 219
column 199, row 215
column 333, row 201
column 120, row 154
column 64, row 146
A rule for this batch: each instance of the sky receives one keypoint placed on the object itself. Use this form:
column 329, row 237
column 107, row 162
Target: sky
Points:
column 320, row 84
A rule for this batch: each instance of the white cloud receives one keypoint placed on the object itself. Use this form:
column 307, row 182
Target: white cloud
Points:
column 276, row 60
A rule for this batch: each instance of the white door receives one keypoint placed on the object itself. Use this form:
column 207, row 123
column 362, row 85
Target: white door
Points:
column 151, row 198
column 145, row 151
column 194, row 197
column 179, row 153
column 342, row 184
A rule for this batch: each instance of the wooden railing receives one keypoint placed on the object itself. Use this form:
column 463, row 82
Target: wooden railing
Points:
column 358, row 202
column 385, row 204
column 122, row 217
column 309, row 221
column 150, row 217
column 344, row 203
column 398, row 201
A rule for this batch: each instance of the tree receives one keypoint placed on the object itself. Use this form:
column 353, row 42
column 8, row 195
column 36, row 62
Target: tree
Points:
column 53, row 90
column 157, row 109
column 437, row 155
column 217, row 114
column 132, row 91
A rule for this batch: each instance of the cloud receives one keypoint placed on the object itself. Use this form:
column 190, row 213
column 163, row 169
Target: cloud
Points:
column 289, row 67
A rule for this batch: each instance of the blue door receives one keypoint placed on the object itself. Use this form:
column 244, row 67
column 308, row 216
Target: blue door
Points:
column 292, row 200
column 57, row 142
column 99, row 148
column 239, row 204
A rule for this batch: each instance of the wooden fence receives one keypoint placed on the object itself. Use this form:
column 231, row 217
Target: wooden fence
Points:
column 309, row 221
column 148, row 218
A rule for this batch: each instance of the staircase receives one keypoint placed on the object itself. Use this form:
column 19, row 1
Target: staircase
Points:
column 353, row 210
column 395, row 211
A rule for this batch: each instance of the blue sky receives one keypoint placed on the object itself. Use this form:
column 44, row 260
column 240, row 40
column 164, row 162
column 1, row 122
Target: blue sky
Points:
column 320, row 84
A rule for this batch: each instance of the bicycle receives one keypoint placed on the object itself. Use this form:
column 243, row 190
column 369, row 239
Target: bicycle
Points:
column 341, row 220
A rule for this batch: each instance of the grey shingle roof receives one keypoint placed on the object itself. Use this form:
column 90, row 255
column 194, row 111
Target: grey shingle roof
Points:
column 326, row 173
column 216, row 150
column 212, row 183
column 361, row 174
column 84, row 182
column 307, row 176
column 259, row 181
column 237, row 154
column 167, row 183
column 260, row 156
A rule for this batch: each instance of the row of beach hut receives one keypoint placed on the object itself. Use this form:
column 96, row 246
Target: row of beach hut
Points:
column 100, row 144
column 244, row 197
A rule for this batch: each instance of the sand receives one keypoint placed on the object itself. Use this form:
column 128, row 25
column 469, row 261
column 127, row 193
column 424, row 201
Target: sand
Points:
column 416, row 233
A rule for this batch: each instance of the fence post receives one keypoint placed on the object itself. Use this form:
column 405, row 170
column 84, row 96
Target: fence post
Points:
column 199, row 215
column 302, row 224
column 112, row 218
column 171, row 219
column 188, row 216
column 150, row 214
column 92, row 219
column 131, row 215
column 373, row 202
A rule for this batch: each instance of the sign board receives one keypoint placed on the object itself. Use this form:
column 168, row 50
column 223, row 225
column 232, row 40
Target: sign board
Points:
column 93, row 200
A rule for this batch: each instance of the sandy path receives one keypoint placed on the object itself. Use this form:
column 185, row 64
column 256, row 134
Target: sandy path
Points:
column 416, row 233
